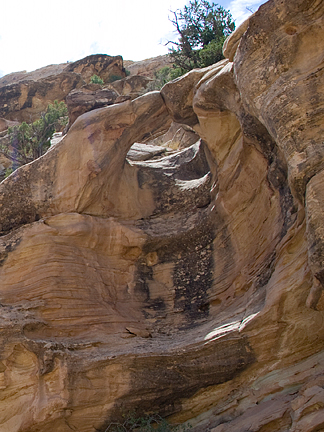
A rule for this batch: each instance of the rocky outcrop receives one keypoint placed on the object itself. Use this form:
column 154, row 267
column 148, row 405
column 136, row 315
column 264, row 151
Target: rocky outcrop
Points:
column 148, row 67
column 105, row 66
column 108, row 68
column 5, row 124
column 131, row 86
column 40, row 73
column 287, row 87
column 88, row 98
column 26, row 96
column 187, row 284
column 25, row 100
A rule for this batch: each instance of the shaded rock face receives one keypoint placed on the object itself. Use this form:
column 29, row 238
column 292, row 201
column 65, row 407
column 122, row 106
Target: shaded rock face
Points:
column 132, row 86
column 179, row 136
column 187, row 284
column 93, row 96
column 88, row 98
column 5, row 124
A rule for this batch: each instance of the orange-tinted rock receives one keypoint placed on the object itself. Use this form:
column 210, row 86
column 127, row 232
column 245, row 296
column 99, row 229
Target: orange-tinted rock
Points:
column 183, row 284
column 106, row 67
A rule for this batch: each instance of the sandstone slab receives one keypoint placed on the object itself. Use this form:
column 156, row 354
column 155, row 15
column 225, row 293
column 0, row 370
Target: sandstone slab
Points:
column 183, row 284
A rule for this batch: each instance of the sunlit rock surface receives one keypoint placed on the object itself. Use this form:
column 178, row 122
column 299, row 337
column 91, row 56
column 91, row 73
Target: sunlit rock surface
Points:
column 187, row 284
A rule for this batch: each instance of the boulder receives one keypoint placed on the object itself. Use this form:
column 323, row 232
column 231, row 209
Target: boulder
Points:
column 108, row 68
column 87, row 98
column 142, row 152
column 132, row 86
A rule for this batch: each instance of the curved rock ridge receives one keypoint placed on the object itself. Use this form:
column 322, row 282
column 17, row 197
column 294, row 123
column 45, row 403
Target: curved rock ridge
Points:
column 187, row 282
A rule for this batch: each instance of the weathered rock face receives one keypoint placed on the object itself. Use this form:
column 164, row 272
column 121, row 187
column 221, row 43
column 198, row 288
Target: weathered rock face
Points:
column 93, row 96
column 88, row 98
column 24, row 96
column 24, row 101
column 179, row 136
column 184, row 285
column 103, row 65
column 132, row 86
column 148, row 67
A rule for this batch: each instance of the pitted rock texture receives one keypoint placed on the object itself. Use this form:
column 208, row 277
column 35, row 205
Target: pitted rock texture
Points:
column 187, row 284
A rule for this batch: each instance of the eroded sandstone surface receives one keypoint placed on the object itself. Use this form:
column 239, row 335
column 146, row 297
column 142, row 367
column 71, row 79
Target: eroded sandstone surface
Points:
column 187, row 283
column 24, row 96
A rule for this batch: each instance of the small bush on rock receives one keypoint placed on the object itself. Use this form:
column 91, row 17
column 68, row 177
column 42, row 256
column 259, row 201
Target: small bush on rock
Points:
column 95, row 79
column 113, row 78
column 148, row 423
column 163, row 76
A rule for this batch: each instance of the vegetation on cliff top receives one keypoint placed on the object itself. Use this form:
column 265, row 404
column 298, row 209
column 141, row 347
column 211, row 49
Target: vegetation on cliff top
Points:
column 202, row 28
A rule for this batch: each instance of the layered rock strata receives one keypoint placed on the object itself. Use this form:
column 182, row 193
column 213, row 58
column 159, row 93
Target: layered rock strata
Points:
column 25, row 96
column 187, row 284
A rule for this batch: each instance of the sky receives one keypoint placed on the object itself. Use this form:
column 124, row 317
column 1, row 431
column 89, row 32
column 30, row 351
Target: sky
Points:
column 38, row 33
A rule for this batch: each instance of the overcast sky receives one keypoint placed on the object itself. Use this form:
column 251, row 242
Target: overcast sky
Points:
column 36, row 33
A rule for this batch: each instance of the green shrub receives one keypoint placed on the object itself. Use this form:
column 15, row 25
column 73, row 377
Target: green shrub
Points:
column 163, row 76
column 148, row 423
column 202, row 27
column 30, row 141
column 212, row 53
column 8, row 172
column 95, row 79
column 113, row 78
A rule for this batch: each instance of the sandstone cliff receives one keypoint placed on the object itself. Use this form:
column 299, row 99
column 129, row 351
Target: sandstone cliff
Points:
column 148, row 67
column 188, row 284
column 23, row 96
